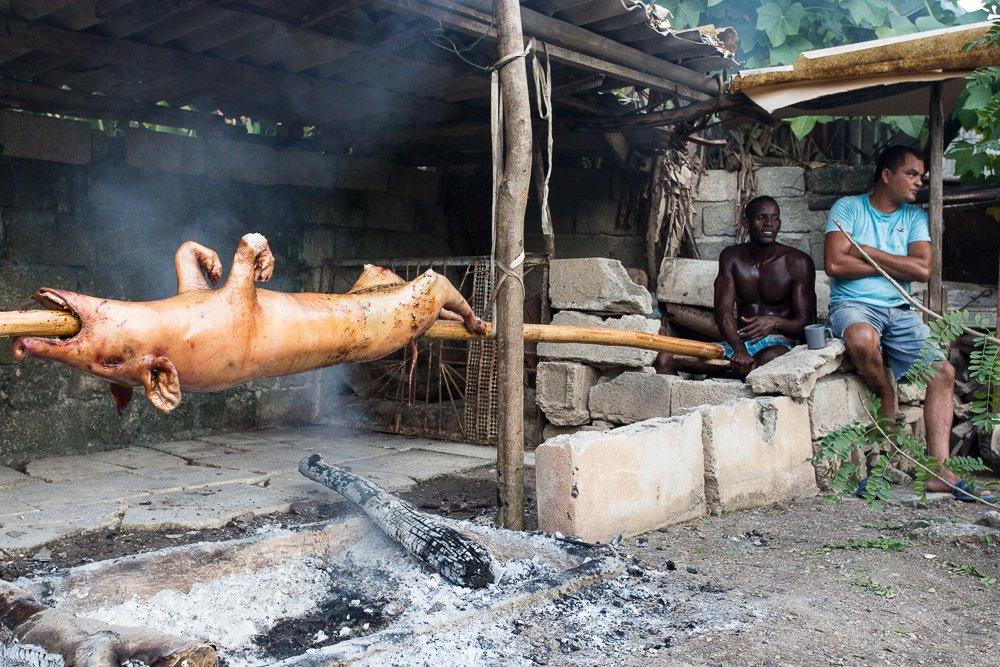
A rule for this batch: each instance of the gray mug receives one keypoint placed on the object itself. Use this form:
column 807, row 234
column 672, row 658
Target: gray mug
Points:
column 818, row 335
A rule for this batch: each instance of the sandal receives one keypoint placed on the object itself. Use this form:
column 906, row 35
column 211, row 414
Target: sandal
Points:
column 968, row 493
column 863, row 487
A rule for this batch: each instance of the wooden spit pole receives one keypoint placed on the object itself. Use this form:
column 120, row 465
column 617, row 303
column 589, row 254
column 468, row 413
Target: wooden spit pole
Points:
column 57, row 323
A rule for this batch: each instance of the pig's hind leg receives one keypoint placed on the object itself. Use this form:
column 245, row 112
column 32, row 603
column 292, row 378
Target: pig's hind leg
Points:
column 455, row 307
column 193, row 262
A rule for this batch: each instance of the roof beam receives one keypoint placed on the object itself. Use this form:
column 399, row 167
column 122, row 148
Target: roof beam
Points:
column 170, row 61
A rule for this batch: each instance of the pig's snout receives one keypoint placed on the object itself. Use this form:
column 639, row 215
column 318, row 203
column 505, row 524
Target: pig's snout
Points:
column 21, row 349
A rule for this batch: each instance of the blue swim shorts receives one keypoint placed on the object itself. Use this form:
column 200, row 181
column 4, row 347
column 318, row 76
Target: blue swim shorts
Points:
column 762, row 344
column 902, row 331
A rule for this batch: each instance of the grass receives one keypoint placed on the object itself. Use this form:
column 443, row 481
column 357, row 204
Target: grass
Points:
column 885, row 544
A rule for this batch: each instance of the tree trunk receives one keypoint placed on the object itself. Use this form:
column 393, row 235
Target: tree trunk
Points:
column 511, row 201
column 457, row 558
column 935, row 208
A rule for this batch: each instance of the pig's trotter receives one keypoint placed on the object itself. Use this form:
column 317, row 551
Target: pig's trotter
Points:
column 193, row 262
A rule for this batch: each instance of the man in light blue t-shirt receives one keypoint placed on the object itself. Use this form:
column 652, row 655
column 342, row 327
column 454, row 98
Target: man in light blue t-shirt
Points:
column 867, row 311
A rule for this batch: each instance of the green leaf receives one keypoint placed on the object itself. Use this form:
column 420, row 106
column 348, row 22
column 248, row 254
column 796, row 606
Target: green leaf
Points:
column 779, row 23
column 898, row 25
column 790, row 50
column 911, row 125
column 866, row 12
column 929, row 23
column 688, row 14
column 802, row 125
column 713, row 3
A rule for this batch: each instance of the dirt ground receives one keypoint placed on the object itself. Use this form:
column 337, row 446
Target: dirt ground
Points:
column 813, row 603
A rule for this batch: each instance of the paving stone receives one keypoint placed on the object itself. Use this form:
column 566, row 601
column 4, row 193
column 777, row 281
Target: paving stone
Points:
column 36, row 529
column 191, row 449
column 686, row 394
column 561, row 391
column 44, row 138
column 631, row 397
column 136, row 458
column 596, row 284
column 628, row 481
column 600, row 354
column 61, row 468
column 795, row 373
column 249, row 462
column 162, row 151
column 10, row 478
column 234, row 440
column 69, row 496
column 11, row 506
column 486, row 452
column 293, row 483
column 196, row 476
column 756, row 453
column 208, row 507
column 417, row 464
column 716, row 185
column 835, row 402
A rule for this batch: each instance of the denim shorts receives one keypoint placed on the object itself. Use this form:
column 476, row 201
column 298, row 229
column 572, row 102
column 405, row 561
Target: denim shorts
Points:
column 902, row 331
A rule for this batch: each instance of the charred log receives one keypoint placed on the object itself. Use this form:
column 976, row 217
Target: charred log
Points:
column 457, row 558
column 85, row 642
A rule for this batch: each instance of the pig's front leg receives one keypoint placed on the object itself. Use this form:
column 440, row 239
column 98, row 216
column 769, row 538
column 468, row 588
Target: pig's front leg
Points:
column 456, row 305
column 193, row 262
column 253, row 263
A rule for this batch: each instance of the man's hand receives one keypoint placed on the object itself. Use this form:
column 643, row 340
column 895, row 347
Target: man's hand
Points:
column 742, row 362
column 754, row 329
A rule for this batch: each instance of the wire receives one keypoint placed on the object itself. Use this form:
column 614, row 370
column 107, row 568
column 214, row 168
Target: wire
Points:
column 439, row 34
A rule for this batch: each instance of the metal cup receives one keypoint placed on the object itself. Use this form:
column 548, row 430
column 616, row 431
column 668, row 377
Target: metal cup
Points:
column 818, row 335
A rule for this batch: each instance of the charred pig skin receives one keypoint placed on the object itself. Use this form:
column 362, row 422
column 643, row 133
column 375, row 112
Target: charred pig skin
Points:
column 206, row 339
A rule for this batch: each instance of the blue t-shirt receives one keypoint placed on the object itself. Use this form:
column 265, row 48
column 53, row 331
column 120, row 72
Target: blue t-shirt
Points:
column 892, row 233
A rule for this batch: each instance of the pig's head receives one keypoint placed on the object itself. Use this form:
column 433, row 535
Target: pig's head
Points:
column 109, row 346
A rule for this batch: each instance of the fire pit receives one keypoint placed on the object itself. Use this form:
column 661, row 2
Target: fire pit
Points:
column 318, row 594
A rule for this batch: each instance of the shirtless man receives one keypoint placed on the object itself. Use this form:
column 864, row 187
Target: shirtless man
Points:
column 772, row 288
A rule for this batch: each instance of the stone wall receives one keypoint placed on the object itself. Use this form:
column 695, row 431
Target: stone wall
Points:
column 716, row 218
column 103, row 215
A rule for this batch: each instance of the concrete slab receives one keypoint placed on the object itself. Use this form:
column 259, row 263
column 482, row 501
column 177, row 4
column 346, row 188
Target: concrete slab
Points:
column 486, row 452
column 192, row 449
column 795, row 373
column 115, row 487
column 627, row 481
column 44, row 527
column 248, row 462
column 294, row 484
column 196, row 476
column 10, row 478
column 234, row 440
column 137, row 458
column 208, row 507
column 62, row 468
column 11, row 506
column 417, row 464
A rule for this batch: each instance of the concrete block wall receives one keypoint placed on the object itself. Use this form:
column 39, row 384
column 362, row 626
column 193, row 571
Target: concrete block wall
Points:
column 716, row 217
column 104, row 215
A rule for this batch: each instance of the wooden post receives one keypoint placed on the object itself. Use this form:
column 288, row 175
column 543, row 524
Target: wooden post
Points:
column 936, row 208
column 511, row 201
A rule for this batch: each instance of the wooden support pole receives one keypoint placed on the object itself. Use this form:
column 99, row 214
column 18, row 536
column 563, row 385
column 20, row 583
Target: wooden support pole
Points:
column 936, row 208
column 511, row 201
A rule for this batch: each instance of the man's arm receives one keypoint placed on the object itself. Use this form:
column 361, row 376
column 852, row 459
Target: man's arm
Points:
column 842, row 260
column 803, row 297
column 725, row 301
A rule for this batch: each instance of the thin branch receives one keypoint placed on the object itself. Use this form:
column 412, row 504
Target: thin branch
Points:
column 910, row 299
column 875, row 423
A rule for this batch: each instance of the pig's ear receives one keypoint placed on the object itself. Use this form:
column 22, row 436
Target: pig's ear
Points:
column 163, row 387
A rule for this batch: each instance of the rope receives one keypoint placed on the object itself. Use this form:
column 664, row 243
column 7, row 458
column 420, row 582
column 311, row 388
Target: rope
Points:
column 543, row 93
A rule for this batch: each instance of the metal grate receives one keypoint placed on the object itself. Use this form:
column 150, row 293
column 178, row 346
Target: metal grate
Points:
column 454, row 386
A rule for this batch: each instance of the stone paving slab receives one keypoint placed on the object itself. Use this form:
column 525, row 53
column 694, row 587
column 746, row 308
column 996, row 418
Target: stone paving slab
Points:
column 135, row 458
column 10, row 478
column 234, row 440
column 419, row 465
column 209, row 507
column 40, row 527
column 486, row 452
column 11, row 506
column 248, row 462
column 194, row 476
column 115, row 487
column 62, row 468
column 192, row 449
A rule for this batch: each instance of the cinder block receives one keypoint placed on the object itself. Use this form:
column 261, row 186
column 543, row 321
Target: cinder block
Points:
column 840, row 180
column 241, row 161
column 795, row 373
column 632, row 397
column 756, row 453
column 686, row 394
column 836, row 401
column 417, row 184
column 162, row 151
column 796, row 217
column 318, row 243
column 576, row 184
column 716, row 185
column 362, row 173
column 596, row 284
column 384, row 211
column 44, row 138
column 719, row 219
column 307, row 168
column 600, row 355
column 562, row 391
column 338, row 208
column 41, row 237
column 627, row 481
column 599, row 217
column 710, row 247
column 780, row 181
column 689, row 282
